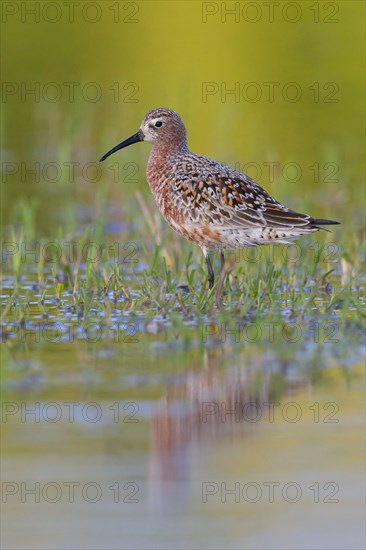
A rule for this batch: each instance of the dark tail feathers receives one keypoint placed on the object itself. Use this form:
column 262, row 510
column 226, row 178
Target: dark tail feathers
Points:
column 315, row 222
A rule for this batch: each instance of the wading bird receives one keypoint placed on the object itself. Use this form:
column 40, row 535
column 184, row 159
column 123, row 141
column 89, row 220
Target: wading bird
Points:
column 209, row 203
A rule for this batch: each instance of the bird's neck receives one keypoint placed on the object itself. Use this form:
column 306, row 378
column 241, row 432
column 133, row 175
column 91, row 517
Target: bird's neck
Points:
column 169, row 147
column 164, row 154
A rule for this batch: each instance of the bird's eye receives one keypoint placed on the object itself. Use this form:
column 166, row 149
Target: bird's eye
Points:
column 158, row 123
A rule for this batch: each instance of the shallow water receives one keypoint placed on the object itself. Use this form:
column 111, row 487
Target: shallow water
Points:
column 210, row 448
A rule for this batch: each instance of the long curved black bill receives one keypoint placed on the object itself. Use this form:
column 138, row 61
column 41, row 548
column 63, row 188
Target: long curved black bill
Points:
column 139, row 136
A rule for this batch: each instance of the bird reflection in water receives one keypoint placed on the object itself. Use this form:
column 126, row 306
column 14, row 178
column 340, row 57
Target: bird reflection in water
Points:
column 201, row 406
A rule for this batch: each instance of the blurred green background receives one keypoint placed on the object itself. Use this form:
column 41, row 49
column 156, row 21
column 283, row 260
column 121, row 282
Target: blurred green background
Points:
column 94, row 81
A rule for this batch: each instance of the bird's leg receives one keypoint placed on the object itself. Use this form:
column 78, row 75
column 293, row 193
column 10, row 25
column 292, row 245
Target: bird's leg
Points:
column 222, row 276
column 222, row 256
column 211, row 275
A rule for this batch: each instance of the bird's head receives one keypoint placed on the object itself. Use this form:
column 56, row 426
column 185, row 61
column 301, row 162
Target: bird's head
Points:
column 161, row 127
